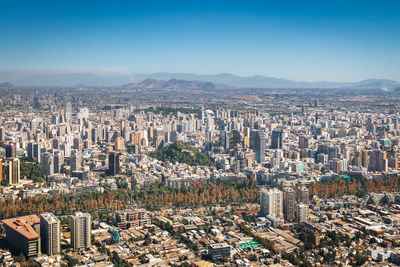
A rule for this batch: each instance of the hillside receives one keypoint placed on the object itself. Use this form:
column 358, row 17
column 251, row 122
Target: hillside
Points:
column 6, row 85
column 182, row 153
column 174, row 84
column 260, row 81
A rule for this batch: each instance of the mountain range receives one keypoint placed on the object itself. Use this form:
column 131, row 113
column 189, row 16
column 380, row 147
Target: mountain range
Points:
column 212, row 81
column 259, row 81
column 6, row 85
column 175, row 84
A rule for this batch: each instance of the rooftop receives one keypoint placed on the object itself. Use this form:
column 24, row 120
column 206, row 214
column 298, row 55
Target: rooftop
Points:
column 23, row 226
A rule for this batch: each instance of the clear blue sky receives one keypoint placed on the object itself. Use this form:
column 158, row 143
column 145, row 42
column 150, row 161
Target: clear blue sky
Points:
column 300, row 40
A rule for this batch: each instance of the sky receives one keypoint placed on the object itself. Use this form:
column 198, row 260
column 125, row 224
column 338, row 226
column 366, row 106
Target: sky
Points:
column 299, row 40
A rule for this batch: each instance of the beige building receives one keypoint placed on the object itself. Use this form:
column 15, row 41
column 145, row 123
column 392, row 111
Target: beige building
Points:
column 271, row 202
column 50, row 234
column 80, row 225
column 302, row 213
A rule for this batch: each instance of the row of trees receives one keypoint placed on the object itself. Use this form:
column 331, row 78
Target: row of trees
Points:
column 66, row 204
column 154, row 197
column 356, row 186
column 197, row 195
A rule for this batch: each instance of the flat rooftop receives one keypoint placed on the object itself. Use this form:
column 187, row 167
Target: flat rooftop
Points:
column 23, row 226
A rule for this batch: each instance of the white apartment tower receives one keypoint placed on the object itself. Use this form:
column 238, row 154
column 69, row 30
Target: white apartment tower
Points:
column 302, row 213
column 75, row 160
column 271, row 202
column 80, row 224
column 50, row 234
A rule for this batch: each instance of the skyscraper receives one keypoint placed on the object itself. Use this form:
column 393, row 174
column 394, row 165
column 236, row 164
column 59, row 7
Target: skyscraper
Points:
column 34, row 151
column 289, row 203
column 2, row 134
column 75, row 161
column 47, row 164
column 50, row 234
column 80, row 225
column 11, row 151
column 378, row 160
column 271, row 202
column 113, row 163
column 303, row 195
column 259, row 146
column 119, row 144
column 13, row 171
column 234, row 138
column 303, row 142
column 1, row 170
column 58, row 161
column 277, row 139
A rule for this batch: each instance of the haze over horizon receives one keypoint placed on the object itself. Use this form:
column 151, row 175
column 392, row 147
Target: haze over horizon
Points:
column 341, row 41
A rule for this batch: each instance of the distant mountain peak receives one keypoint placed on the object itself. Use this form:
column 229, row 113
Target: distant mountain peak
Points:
column 6, row 85
column 260, row 81
column 174, row 84
column 188, row 80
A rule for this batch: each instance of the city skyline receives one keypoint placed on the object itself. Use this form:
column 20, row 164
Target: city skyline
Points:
column 199, row 133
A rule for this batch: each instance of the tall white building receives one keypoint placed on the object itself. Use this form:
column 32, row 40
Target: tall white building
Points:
column 50, row 234
column 81, row 229
column 302, row 213
column 271, row 202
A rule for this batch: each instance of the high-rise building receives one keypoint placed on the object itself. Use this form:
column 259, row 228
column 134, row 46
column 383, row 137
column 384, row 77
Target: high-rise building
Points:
column 81, row 229
column 119, row 144
column 58, row 161
column 50, row 234
column 136, row 138
column 68, row 112
column 259, row 146
column 234, row 138
column 47, row 164
column 34, row 151
column 277, row 139
column 271, row 202
column 289, row 203
column 224, row 139
column 303, row 142
column 11, row 151
column 200, row 114
column 13, row 172
column 378, row 160
column 95, row 135
column 1, row 170
column 77, row 143
column 113, row 163
column 75, row 160
column 2, row 134
column 303, row 195
column 302, row 213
